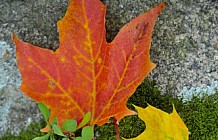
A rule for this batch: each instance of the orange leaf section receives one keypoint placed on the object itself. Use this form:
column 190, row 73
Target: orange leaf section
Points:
column 86, row 73
column 161, row 125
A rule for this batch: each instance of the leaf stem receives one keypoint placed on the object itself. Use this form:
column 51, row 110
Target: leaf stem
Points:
column 116, row 128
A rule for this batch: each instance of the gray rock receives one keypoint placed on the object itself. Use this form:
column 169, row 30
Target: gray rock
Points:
column 34, row 22
column 16, row 110
column 184, row 47
column 14, row 106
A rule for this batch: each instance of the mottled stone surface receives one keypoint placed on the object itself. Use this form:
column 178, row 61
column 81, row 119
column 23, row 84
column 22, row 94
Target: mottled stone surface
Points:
column 184, row 46
column 33, row 21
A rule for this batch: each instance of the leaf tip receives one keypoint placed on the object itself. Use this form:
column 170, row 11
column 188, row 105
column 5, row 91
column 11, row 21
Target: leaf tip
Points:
column 14, row 37
column 159, row 7
column 137, row 108
column 162, row 4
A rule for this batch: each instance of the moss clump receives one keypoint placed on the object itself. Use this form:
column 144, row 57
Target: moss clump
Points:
column 200, row 115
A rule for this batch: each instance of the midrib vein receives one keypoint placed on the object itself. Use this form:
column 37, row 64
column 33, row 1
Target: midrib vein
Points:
column 92, row 62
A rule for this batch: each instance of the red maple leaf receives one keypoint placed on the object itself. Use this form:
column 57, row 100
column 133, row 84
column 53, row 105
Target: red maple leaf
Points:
column 86, row 73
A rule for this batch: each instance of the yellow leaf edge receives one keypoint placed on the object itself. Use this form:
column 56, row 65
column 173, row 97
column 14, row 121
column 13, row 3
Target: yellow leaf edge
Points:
column 140, row 110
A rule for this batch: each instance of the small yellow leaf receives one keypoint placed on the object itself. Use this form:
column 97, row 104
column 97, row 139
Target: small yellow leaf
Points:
column 161, row 125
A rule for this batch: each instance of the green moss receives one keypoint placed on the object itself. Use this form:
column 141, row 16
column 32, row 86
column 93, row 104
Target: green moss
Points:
column 200, row 115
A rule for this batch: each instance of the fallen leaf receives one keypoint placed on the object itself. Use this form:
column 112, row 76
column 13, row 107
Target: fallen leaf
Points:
column 87, row 74
column 161, row 125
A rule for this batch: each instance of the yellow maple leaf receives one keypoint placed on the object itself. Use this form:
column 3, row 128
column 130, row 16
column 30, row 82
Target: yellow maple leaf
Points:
column 161, row 125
